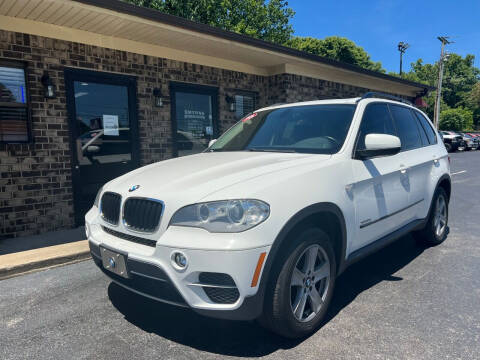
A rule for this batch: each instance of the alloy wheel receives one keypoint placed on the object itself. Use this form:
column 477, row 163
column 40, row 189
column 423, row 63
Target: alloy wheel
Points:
column 440, row 218
column 309, row 283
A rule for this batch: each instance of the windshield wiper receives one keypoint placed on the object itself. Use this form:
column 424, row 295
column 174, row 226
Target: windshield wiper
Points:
column 272, row 150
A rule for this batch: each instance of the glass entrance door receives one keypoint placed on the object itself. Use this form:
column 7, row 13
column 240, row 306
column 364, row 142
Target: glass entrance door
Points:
column 103, row 124
column 194, row 116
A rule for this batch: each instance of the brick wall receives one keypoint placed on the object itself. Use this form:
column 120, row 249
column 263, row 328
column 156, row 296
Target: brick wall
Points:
column 35, row 183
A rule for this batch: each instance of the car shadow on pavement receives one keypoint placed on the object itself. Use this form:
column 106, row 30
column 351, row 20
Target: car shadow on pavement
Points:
column 248, row 339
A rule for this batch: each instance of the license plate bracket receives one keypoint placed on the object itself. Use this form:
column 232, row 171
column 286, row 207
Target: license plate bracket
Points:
column 114, row 261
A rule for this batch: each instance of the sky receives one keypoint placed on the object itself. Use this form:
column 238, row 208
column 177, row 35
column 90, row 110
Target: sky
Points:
column 378, row 26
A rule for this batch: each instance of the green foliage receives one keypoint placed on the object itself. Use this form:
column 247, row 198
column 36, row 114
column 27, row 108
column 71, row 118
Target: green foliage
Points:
column 459, row 81
column 473, row 103
column 456, row 119
column 268, row 21
column 336, row 48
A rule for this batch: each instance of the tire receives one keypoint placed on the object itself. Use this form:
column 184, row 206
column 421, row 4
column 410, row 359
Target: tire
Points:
column 432, row 234
column 448, row 147
column 312, row 295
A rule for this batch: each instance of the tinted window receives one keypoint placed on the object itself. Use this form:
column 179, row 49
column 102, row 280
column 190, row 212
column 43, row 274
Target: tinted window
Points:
column 432, row 138
column 376, row 120
column 407, row 128
column 422, row 133
column 317, row 129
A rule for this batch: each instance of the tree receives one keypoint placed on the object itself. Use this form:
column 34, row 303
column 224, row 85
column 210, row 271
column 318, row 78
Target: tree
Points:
column 456, row 119
column 459, row 79
column 268, row 21
column 473, row 103
column 336, row 48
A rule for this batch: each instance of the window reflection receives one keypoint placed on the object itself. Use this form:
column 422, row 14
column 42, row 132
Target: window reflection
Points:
column 103, row 123
column 194, row 122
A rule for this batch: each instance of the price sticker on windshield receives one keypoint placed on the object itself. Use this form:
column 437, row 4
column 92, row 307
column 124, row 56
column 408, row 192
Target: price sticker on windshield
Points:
column 249, row 117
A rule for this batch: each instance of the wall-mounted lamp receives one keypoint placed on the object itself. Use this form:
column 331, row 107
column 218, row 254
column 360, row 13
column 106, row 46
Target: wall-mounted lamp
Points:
column 231, row 102
column 48, row 86
column 157, row 94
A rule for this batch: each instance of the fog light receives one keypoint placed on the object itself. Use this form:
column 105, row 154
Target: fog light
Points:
column 180, row 260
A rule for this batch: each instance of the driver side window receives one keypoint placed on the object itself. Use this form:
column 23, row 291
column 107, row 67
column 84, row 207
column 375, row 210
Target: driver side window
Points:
column 376, row 120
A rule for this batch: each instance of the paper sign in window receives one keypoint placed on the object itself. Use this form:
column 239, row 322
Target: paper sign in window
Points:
column 110, row 125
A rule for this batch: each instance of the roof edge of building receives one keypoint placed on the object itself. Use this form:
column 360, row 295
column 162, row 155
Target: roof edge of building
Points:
column 157, row 16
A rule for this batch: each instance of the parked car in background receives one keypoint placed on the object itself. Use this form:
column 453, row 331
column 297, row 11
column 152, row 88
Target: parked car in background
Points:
column 452, row 141
column 471, row 142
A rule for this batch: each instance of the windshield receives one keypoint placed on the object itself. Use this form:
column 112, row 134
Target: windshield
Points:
column 318, row 129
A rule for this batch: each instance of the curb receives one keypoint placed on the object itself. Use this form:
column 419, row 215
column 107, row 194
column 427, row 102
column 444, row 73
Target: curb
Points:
column 39, row 259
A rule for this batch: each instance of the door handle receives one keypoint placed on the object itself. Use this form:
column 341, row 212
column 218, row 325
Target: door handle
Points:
column 403, row 169
column 435, row 161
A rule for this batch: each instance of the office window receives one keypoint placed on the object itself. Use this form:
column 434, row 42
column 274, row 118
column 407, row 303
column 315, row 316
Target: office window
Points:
column 244, row 104
column 14, row 126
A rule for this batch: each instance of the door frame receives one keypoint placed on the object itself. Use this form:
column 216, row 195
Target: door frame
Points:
column 195, row 89
column 74, row 74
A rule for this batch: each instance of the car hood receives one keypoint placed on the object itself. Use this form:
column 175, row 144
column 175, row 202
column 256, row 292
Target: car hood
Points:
column 196, row 176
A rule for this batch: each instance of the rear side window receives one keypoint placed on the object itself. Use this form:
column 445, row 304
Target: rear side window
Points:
column 432, row 137
column 407, row 127
column 376, row 120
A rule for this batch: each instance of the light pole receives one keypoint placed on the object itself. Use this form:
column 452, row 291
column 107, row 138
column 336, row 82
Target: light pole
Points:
column 402, row 47
column 443, row 57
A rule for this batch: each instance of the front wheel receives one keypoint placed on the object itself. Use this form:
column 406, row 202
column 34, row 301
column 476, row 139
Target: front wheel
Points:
column 436, row 229
column 448, row 147
column 298, row 299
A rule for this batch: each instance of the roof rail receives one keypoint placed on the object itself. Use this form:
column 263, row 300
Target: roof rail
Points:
column 373, row 94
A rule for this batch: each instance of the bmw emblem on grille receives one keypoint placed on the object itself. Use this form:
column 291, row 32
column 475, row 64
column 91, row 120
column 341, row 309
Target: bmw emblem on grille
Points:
column 133, row 188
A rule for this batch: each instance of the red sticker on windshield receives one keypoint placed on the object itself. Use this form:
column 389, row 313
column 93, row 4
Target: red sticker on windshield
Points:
column 251, row 116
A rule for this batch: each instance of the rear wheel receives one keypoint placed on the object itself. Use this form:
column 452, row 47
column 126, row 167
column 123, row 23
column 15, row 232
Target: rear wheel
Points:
column 298, row 299
column 436, row 230
column 448, row 147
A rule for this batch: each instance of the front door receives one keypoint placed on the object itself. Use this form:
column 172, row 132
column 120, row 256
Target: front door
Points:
column 194, row 117
column 103, row 131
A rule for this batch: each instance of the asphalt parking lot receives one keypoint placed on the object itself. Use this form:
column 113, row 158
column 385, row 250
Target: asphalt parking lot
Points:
column 405, row 302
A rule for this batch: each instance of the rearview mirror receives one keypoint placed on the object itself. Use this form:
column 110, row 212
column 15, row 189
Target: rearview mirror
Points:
column 379, row 145
column 211, row 142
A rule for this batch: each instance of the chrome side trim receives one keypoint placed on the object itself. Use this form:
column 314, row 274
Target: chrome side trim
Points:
column 389, row 215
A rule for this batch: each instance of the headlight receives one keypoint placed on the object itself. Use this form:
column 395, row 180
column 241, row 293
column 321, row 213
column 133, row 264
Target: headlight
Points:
column 97, row 198
column 226, row 216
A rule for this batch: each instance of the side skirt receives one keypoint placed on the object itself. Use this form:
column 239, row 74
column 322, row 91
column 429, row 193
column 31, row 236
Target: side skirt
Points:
column 384, row 241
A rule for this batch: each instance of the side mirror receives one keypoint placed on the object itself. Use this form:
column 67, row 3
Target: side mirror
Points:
column 379, row 145
column 211, row 142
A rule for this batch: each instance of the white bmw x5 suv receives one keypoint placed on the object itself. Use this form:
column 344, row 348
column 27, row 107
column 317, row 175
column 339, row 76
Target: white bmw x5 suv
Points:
column 260, row 224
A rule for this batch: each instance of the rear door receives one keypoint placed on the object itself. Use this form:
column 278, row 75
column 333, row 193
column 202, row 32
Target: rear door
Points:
column 416, row 158
column 380, row 192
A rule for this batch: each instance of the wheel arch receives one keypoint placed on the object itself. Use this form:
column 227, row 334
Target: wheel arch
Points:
column 445, row 182
column 328, row 216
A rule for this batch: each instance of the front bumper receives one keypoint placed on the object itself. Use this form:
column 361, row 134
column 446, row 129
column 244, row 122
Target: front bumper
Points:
column 153, row 274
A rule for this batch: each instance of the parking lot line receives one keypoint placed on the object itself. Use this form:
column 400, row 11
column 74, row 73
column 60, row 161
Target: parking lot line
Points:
column 459, row 172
